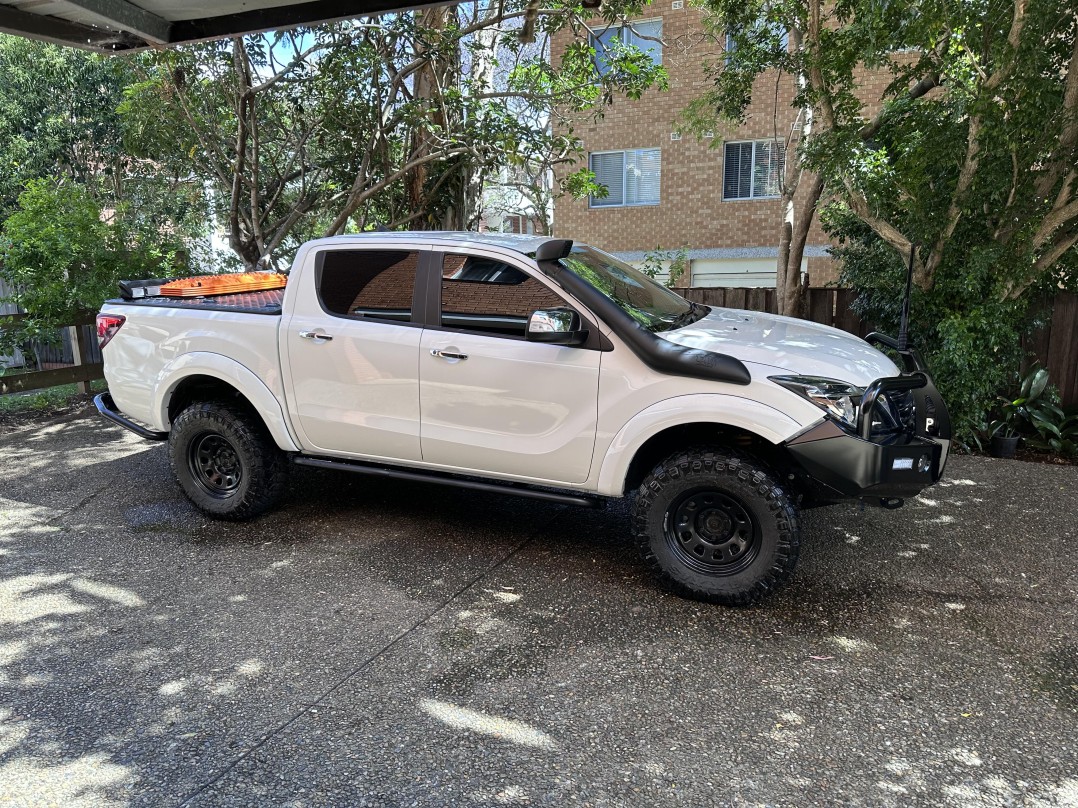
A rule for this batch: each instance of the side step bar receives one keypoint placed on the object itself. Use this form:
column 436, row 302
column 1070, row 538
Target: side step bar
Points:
column 444, row 479
column 107, row 407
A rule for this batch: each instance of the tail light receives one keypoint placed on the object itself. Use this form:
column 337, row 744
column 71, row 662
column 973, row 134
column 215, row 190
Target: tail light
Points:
column 107, row 326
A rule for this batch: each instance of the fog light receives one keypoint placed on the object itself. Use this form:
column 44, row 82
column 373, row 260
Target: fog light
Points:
column 924, row 464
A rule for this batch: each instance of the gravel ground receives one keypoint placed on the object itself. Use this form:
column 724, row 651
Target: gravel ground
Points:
column 387, row 644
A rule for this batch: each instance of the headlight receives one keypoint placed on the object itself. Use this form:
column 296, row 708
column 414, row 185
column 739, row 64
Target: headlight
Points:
column 837, row 398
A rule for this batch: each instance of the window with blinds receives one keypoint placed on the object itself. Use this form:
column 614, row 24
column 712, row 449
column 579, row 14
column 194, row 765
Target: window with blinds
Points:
column 631, row 177
column 752, row 169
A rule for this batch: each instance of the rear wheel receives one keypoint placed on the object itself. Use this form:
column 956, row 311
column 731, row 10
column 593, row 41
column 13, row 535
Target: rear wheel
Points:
column 717, row 526
column 225, row 461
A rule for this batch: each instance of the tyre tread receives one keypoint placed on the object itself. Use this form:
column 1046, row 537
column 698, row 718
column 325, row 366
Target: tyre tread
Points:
column 269, row 467
column 709, row 460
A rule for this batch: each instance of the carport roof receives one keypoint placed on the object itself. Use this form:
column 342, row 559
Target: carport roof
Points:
column 112, row 26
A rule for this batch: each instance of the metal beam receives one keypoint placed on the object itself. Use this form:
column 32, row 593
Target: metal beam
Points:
column 63, row 32
column 128, row 17
column 290, row 16
column 132, row 28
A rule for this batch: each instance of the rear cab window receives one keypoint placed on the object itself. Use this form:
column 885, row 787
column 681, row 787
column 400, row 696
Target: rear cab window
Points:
column 368, row 284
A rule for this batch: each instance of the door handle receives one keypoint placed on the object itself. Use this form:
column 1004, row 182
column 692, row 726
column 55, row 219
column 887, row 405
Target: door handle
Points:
column 315, row 335
column 447, row 354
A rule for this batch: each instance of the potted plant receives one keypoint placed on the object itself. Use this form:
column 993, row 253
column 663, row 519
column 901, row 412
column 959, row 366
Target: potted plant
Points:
column 1005, row 431
column 1004, row 441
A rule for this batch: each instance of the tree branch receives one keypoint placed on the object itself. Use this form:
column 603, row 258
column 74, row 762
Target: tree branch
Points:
column 1059, row 248
column 1054, row 220
column 815, row 74
column 921, row 88
column 1062, row 156
column 889, row 233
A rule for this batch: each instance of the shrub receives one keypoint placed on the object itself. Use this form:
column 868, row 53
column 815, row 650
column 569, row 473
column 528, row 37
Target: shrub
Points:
column 64, row 258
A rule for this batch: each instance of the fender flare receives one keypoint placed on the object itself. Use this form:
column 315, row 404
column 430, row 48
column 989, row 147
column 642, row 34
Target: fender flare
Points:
column 218, row 366
column 720, row 409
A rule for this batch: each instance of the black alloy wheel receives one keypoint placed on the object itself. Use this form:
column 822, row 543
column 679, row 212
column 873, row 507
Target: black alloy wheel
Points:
column 225, row 460
column 712, row 532
column 215, row 465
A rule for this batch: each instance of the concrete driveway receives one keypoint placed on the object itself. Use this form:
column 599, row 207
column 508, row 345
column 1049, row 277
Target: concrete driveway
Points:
column 381, row 643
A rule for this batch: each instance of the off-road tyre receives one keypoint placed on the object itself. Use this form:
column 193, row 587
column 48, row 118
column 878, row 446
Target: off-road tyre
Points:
column 715, row 525
column 226, row 461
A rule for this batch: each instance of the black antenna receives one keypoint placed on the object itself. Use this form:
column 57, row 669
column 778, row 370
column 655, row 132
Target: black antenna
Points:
column 904, row 327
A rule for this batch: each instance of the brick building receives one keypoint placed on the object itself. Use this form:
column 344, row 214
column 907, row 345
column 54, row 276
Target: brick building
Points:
column 717, row 197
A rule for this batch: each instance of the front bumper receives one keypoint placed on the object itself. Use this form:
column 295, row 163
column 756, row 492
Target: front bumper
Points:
column 838, row 463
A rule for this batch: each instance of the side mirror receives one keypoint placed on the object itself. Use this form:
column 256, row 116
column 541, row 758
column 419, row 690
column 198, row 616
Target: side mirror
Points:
column 556, row 326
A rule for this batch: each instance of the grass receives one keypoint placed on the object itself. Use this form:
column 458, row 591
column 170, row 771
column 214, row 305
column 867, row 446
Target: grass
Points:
column 38, row 401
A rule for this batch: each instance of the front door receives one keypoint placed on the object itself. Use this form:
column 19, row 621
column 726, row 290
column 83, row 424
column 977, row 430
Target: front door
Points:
column 492, row 401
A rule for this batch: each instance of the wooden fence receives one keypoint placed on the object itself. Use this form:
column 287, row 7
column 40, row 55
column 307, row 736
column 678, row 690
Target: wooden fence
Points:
column 832, row 307
column 76, row 358
column 1055, row 346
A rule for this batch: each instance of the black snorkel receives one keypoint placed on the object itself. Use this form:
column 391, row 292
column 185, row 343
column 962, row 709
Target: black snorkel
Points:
column 654, row 351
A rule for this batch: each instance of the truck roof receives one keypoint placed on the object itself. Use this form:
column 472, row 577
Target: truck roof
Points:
column 525, row 244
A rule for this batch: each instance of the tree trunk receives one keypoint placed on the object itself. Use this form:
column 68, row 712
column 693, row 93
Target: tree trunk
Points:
column 791, row 293
column 789, row 288
column 429, row 82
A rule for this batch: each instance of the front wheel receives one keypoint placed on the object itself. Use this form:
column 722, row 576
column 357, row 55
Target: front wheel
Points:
column 225, row 461
column 717, row 526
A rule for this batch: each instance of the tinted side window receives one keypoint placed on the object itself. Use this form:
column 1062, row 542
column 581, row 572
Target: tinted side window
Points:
column 368, row 283
column 490, row 297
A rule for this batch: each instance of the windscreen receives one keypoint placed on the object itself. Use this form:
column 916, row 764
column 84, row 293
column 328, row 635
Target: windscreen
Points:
column 649, row 303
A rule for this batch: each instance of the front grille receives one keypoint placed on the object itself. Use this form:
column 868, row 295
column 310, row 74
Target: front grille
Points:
column 895, row 414
column 905, row 407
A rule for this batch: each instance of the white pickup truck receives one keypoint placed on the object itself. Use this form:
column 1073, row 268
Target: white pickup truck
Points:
column 531, row 366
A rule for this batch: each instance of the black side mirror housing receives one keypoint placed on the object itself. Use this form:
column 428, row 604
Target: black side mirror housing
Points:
column 556, row 327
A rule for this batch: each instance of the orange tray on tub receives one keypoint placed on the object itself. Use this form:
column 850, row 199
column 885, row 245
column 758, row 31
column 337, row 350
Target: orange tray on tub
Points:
column 223, row 284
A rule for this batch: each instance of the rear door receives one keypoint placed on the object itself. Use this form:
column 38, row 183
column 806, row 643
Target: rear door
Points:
column 490, row 400
column 353, row 350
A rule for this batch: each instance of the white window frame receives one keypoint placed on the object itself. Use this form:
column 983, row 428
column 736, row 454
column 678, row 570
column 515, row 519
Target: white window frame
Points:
column 752, row 174
column 624, row 35
column 623, row 204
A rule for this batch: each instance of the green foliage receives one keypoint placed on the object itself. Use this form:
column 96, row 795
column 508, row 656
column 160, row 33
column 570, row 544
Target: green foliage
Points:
column 58, row 122
column 1035, row 415
column 672, row 263
column 1026, row 408
column 1057, row 432
column 394, row 122
column 970, row 155
column 970, row 338
column 63, row 259
column 57, row 115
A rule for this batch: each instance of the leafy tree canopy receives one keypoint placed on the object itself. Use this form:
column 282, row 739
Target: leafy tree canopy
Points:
column 57, row 115
column 64, row 258
column 971, row 154
column 393, row 122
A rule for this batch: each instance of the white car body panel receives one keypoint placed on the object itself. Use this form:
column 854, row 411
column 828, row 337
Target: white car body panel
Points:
column 143, row 362
column 730, row 410
column 358, row 394
column 201, row 363
column 786, row 345
column 511, row 407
